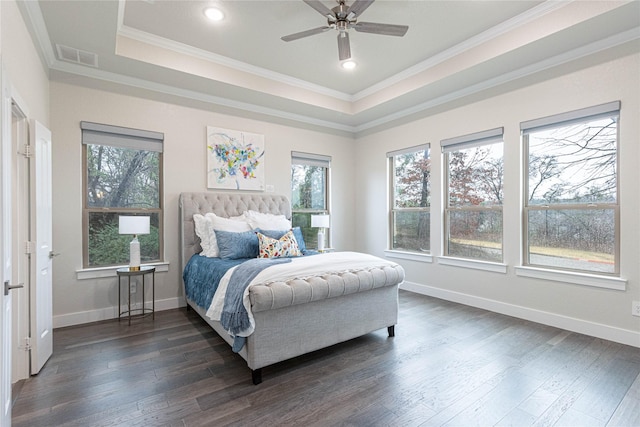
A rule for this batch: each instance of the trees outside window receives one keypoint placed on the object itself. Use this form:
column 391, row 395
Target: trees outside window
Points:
column 122, row 177
column 410, row 172
column 571, row 207
column 309, row 192
column 474, row 189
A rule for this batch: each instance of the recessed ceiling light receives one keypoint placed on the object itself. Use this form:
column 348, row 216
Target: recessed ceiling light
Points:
column 349, row 65
column 214, row 14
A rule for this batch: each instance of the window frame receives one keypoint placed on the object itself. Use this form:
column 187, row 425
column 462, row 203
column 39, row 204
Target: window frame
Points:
column 319, row 160
column 477, row 139
column 393, row 210
column 611, row 109
column 126, row 138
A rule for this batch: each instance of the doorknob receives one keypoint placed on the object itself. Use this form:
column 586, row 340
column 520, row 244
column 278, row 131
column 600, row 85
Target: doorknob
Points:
column 8, row 287
column 52, row 254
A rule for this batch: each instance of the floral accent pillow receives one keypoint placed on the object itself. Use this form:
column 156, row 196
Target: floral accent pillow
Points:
column 276, row 234
column 286, row 246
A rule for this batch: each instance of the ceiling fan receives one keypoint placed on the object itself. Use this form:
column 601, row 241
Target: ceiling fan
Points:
column 343, row 18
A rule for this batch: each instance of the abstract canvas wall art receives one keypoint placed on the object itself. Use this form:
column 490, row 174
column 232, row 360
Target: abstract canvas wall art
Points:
column 235, row 159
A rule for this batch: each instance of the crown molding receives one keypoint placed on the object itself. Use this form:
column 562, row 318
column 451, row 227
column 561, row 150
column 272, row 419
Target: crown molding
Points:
column 39, row 28
column 110, row 77
column 484, row 37
column 581, row 52
column 557, row 60
column 492, row 33
column 32, row 9
column 214, row 58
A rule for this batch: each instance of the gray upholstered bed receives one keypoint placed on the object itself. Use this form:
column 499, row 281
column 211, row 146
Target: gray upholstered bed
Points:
column 297, row 316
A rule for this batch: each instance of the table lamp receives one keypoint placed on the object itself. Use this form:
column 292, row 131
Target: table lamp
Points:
column 133, row 225
column 322, row 222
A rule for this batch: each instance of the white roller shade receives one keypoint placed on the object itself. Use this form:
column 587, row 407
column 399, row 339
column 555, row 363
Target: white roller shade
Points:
column 308, row 159
column 408, row 150
column 477, row 139
column 117, row 136
column 590, row 113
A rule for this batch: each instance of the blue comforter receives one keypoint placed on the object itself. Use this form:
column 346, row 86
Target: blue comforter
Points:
column 202, row 276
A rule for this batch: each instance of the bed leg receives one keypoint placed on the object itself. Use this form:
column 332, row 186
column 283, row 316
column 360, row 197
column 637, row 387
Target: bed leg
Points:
column 256, row 376
column 392, row 330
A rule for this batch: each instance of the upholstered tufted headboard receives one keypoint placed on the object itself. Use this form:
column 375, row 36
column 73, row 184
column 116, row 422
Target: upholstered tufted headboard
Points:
column 225, row 205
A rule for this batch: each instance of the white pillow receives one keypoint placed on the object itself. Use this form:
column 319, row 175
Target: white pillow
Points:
column 203, row 231
column 241, row 217
column 267, row 221
column 234, row 224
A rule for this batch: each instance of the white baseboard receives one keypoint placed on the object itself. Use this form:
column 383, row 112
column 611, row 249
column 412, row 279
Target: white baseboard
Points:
column 598, row 330
column 107, row 313
column 623, row 336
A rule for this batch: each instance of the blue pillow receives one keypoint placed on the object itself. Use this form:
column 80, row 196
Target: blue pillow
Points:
column 297, row 232
column 277, row 234
column 237, row 245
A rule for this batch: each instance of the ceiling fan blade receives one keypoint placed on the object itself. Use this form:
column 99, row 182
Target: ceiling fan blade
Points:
column 358, row 7
column 307, row 33
column 320, row 7
column 384, row 29
column 344, row 49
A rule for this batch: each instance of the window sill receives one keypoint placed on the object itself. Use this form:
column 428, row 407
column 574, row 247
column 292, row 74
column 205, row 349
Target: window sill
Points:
column 100, row 272
column 595, row 280
column 413, row 256
column 474, row 264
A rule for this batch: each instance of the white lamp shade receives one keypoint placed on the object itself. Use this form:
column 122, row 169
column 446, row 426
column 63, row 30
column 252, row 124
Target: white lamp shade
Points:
column 133, row 224
column 321, row 221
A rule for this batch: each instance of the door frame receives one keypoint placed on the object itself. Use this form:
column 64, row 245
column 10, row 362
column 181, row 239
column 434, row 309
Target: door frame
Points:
column 21, row 226
column 5, row 248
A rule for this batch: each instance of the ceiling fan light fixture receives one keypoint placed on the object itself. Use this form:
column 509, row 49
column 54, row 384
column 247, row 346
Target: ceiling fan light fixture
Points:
column 214, row 14
column 344, row 18
column 349, row 64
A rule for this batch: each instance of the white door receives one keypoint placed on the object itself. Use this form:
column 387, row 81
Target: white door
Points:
column 42, row 283
column 5, row 252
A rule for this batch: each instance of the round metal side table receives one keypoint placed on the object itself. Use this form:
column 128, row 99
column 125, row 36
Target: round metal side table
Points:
column 144, row 310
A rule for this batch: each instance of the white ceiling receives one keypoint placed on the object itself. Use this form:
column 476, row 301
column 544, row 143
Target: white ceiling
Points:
column 453, row 50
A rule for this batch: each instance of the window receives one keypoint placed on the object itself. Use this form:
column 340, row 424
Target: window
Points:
column 122, row 176
column 309, row 192
column 473, row 209
column 571, row 207
column 410, row 176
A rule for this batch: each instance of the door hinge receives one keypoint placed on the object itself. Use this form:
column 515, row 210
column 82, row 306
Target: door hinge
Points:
column 28, row 247
column 28, row 151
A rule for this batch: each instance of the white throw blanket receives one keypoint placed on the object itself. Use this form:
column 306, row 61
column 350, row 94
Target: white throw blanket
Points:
column 300, row 267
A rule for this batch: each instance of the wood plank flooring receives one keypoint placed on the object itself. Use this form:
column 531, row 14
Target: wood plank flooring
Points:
column 448, row 364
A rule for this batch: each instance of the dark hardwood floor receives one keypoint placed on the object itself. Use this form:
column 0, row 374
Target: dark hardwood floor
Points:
column 448, row 364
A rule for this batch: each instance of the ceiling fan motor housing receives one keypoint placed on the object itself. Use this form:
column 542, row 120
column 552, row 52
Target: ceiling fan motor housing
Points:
column 341, row 20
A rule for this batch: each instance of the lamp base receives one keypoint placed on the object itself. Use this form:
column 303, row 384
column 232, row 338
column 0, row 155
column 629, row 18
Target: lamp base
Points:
column 320, row 241
column 134, row 254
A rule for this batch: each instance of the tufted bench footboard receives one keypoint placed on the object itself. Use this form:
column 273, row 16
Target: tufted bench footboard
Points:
column 275, row 295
